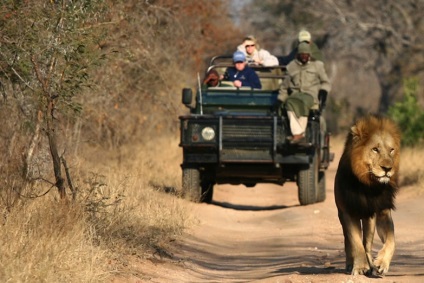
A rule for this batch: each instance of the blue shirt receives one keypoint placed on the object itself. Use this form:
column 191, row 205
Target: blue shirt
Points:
column 247, row 76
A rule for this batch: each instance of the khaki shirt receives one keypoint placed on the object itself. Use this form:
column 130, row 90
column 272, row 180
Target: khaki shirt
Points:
column 308, row 78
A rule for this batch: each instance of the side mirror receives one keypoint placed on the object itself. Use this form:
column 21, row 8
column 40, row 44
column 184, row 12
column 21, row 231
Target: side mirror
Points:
column 187, row 96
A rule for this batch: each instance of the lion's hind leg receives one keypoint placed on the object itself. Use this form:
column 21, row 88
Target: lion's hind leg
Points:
column 386, row 232
column 356, row 259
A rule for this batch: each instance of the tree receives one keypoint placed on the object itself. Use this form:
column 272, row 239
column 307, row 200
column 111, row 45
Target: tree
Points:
column 382, row 35
column 47, row 50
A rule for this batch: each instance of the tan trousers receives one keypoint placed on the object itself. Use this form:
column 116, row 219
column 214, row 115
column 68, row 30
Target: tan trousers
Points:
column 297, row 124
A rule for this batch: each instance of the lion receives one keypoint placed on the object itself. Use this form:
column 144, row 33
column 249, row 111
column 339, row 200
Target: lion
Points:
column 365, row 189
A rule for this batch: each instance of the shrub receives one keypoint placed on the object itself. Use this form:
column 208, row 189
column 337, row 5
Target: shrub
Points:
column 409, row 114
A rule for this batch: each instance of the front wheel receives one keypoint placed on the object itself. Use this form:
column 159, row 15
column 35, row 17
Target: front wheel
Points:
column 192, row 190
column 207, row 192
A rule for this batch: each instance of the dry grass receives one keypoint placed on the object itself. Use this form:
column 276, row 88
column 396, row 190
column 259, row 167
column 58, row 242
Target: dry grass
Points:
column 127, row 206
column 47, row 241
column 411, row 173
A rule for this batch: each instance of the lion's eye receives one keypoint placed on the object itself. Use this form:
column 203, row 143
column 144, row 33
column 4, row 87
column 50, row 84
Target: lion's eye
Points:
column 375, row 150
column 392, row 151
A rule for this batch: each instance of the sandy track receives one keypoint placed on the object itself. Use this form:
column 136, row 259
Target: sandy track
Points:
column 262, row 234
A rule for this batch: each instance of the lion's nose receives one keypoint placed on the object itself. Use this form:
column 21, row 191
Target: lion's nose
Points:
column 386, row 168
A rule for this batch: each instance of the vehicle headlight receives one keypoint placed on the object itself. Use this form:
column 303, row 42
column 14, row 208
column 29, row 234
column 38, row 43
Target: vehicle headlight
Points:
column 208, row 133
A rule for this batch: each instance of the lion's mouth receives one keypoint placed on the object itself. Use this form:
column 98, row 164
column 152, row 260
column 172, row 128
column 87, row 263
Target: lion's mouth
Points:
column 383, row 177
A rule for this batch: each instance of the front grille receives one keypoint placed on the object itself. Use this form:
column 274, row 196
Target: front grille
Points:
column 249, row 139
column 250, row 133
column 246, row 134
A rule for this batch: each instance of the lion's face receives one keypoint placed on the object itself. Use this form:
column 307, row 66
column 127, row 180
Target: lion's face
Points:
column 375, row 153
column 379, row 157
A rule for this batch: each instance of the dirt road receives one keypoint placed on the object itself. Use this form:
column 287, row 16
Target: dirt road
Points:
column 262, row 234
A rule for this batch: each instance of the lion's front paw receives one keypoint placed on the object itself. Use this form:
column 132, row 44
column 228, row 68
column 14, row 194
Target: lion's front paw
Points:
column 361, row 269
column 382, row 263
column 380, row 267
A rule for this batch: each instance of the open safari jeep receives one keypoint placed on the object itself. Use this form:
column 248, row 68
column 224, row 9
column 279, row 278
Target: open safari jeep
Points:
column 239, row 136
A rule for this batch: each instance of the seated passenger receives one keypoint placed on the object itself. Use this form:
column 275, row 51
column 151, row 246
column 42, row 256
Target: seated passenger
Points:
column 303, row 36
column 256, row 55
column 306, row 83
column 211, row 79
column 241, row 74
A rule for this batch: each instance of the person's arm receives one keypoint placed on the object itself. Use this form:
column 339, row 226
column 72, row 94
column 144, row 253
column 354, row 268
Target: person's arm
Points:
column 267, row 58
column 325, row 86
column 325, row 81
column 284, row 89
column 242, row 48
column 285, row 60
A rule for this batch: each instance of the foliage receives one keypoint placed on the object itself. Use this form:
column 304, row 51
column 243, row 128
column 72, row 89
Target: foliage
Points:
column 409, row 114
column 48, row 48
column 47, row 51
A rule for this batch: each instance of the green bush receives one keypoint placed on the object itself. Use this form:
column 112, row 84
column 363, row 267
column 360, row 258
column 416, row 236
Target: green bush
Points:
column 409, row 114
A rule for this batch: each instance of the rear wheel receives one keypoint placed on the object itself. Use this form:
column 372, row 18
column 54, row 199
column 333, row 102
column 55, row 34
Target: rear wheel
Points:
column 307, row 182
column 322, row 194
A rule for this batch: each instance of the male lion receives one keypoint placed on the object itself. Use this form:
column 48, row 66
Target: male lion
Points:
column 365, row 189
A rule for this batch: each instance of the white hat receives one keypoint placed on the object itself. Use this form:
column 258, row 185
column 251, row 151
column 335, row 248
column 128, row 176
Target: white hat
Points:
column 304, row 35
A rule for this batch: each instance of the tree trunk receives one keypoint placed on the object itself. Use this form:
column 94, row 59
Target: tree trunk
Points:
column 51, row 135
column 389, row 90
column 32, row 145
column 60, row 182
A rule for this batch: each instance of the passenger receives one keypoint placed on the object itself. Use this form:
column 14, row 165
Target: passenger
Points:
column 241, row 74
column 304, row 36
column 256, row 55
column 211, row 79
column 306, row 84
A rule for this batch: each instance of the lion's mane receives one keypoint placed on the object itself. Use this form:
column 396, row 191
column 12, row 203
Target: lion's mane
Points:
column 359, row 191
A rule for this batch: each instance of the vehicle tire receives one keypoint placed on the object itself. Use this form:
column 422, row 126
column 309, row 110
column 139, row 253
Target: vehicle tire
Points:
column 322, row 194
column 191, row 188
column 307, row 182
column 249, row 185
column 207, row 192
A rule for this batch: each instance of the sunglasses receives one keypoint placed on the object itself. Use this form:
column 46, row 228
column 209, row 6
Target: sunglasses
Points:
column 251, row 45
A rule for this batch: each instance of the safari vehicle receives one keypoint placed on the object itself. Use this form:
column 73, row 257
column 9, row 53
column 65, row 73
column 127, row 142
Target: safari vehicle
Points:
column 239, row 136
